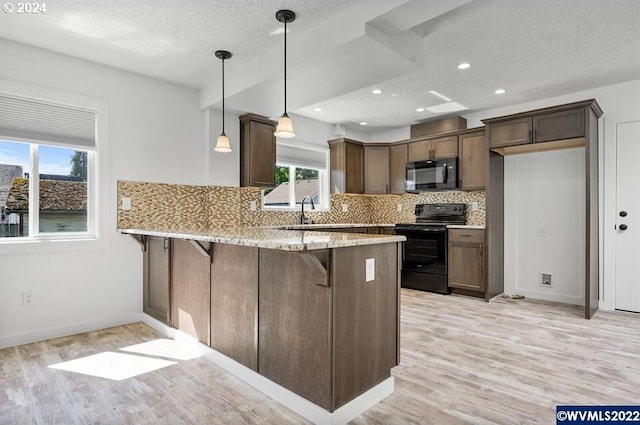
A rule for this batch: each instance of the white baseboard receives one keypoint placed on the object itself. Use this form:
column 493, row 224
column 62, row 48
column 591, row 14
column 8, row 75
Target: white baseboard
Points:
column 45, row 333
column 546, row 296
column 293, row 401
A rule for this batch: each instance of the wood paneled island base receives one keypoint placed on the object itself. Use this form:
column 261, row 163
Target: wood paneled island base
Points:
column 315, row 329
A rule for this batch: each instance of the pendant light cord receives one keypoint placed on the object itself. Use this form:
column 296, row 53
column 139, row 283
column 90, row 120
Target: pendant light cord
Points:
column 223, row 96
column 285, row 67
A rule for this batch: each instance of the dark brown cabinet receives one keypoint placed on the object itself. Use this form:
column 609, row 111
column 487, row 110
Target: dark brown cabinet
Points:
column 441, row 147
column 257, row 151
column 376, row 169
column 538, row 128
column 347, row 166
column 472, row 160
column 190, row 288
column 466, row 259
column 398, row 167
column 156, row 278
column 234, row 303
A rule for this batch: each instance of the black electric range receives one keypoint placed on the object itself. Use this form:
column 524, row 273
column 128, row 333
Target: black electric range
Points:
column 424, row 255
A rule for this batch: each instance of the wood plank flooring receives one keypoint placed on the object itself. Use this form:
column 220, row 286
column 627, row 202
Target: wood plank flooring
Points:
column 463, row 361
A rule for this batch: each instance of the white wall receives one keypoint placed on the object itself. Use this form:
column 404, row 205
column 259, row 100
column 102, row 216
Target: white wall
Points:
column 620, row 103
column 153, row 134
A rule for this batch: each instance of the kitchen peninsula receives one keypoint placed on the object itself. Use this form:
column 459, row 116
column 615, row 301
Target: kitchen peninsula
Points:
column 315, row 312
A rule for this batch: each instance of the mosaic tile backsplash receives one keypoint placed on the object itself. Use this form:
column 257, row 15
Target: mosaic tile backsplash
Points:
column 157, row 206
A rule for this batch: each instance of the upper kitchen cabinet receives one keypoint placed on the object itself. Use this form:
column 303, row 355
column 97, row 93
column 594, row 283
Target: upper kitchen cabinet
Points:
column 257, row 151
column 347, row 165
column 473, row 160
column 376, row 169
column 441, row 147
column 557, row 127
column 399, row 154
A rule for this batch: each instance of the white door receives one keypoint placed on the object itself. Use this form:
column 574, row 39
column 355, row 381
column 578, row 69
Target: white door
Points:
column 628, row 216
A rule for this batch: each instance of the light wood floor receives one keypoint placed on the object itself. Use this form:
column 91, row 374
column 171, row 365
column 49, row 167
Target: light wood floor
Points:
column 463, row 361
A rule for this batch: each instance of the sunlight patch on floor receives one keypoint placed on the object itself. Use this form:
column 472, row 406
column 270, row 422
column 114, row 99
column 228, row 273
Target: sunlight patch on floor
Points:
column 164, row 348
column 115, row 366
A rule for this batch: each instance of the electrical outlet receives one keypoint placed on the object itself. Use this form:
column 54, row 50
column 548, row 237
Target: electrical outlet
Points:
column 474, row 206
column 126, row 204
column 545, row 280
column 345, row 207
column 370, row 269
column 399, row 207
column 27, row 299
column 253, row 206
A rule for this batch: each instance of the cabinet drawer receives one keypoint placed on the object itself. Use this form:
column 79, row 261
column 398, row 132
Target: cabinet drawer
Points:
column 466, row 235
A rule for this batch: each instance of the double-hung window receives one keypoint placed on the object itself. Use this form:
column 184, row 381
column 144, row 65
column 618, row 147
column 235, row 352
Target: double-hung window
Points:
column 47, row 169
column 301, row 174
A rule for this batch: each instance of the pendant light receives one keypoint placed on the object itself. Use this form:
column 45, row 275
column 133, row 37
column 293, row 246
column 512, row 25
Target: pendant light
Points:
column 285, row 125
column 222, row 145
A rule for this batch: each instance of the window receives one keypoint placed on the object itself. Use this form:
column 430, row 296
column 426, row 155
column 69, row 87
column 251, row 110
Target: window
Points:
column 301, row 172
column 57, row 144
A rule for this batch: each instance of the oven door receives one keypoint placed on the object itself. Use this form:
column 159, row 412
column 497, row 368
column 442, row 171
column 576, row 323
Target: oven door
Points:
column 425, row 251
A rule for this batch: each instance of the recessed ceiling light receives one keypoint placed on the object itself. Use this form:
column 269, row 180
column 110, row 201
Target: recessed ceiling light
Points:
column 376, row 91
column 500, row 91
column 441, row 96
column 420, row 110
column 363, row 123
column 464, row 65
column 317, row 109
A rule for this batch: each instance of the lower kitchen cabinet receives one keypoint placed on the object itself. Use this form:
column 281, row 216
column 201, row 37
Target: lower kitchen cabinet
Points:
column 234, row 302
column 156, row 278
column 466, row 259
column 190, row 288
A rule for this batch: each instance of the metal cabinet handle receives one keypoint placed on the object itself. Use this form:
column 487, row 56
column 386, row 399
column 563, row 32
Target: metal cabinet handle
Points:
column 529, row 137
column 535, row 135
column 166, row 244
column 623, row 227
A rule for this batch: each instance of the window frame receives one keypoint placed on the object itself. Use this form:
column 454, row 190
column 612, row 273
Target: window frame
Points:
column 323, row 176
column 98, row 186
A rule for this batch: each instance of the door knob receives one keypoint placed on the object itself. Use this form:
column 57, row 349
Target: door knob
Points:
column 623, row 213
column 623, row 227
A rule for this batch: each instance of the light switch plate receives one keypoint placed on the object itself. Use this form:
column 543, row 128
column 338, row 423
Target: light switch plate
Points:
column 370, row 269
column 252, row 206
column 474, row 206
column 345, row 207
column 399, row 207
column 126, row 204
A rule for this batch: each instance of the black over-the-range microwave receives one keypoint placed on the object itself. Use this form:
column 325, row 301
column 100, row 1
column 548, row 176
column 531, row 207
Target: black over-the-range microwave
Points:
column 436, row 174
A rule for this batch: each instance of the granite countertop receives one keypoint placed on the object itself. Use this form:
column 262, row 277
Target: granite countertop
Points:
column 286, row 240
column 465, row 226
column 325, row 226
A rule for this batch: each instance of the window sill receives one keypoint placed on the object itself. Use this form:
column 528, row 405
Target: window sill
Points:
column 297, row 209
column 16, row 246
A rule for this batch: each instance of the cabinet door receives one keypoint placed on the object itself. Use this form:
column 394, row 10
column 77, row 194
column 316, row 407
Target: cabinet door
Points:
column 234, row 303
column 353, row 168
column 419, row 151
column 445, row 147
column 398, row 167
column 472, row 161
column 190, row 289
column 559, row 125
column 466, row 267
column 156, row 278
column 510, row 133
column 376, row 169
column 257, row 151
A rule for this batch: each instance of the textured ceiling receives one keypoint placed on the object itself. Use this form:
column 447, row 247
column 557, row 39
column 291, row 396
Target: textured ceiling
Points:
column 340, row 50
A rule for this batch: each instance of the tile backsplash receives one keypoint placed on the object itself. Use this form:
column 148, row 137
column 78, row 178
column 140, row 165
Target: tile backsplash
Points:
column 198, row 208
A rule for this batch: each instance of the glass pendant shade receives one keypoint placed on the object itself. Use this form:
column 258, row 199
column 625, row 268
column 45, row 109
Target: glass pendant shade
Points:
column 284, row 130
column 222, row 145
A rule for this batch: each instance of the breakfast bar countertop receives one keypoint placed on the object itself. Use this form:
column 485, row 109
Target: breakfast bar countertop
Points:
column 286, row 240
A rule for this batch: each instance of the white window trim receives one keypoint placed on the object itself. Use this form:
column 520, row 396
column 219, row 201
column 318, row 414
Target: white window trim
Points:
column 323, row 175
column 101, row 217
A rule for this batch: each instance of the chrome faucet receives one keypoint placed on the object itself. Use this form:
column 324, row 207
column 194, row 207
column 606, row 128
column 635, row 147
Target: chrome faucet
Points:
column 303, row 218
